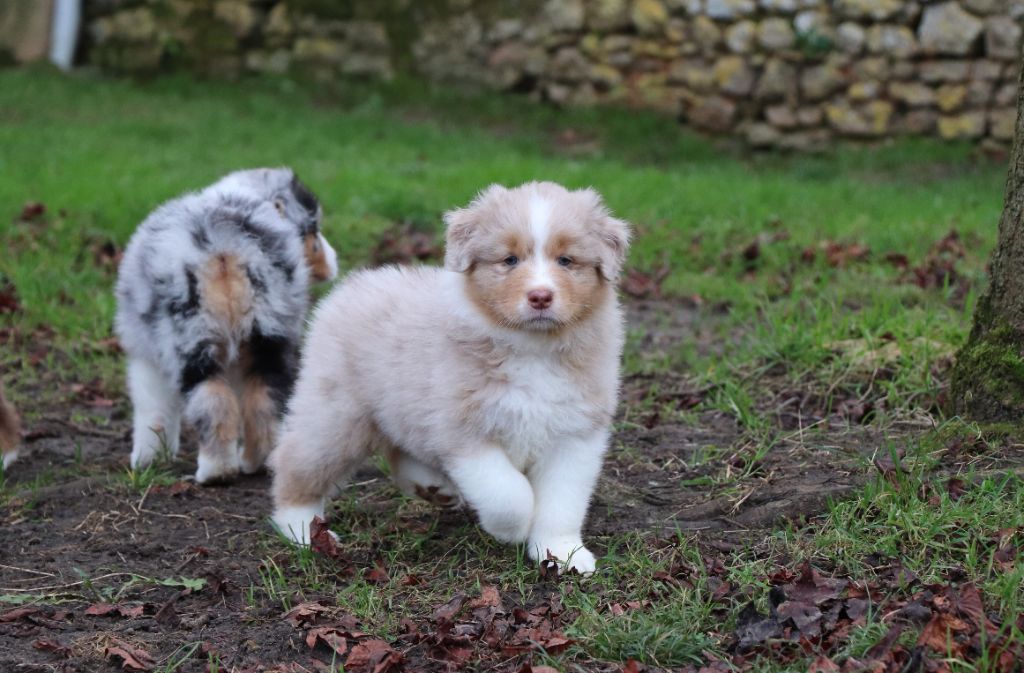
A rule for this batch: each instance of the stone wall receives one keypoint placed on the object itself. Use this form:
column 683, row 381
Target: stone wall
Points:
column 786, row 73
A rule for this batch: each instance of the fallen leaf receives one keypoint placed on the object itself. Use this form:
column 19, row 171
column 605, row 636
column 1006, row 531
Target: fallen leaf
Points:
column 167, row 615
column 939, row 634
column 305, row 614
column 754, row 628
column 102, row 609
column 966, row 600
column 805, row 616
column 330, row 636
column 376, row 575
column 447, row 612
column 823, row 665
column 321, row 541
column 9, row 302
column 132, row 658
column 47, row 645
column 812, row 587
column 32, row 210
column 882, row 647
column 956, row 488
column 489, row 598
column 403, row 244
column 898, row 260
column 18, row 613
column 641, row 285
column 374, row 656
column 632, row 666
column 889, row 465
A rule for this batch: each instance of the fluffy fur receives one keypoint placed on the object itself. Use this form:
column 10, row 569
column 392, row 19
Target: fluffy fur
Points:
column 493, row 380
column 10, row 431
column 212, row 296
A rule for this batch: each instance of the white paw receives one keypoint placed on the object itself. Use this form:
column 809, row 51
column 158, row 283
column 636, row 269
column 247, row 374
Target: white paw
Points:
column 10, row 457
column 217, row 468
column 511, row 526
column 293, row 522
column 142, row 456
column 249, row 467
column 569, row 553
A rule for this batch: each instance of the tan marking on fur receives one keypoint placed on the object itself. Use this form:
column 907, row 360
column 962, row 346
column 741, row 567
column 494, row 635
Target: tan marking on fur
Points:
column 10, row 426
column 316, row 258
column 497, row 289
column 226, row 424
column 226, row 291
column 259, row 421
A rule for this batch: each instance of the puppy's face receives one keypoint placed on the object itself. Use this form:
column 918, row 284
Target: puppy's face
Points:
column 537, row 257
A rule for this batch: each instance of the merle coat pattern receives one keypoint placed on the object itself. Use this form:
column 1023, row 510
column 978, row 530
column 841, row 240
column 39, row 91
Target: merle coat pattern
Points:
column 212, row 296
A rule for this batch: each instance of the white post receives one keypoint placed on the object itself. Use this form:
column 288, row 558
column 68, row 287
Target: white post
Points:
column 67, row 14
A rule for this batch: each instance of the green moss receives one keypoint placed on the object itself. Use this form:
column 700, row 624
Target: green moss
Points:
column 988, row 382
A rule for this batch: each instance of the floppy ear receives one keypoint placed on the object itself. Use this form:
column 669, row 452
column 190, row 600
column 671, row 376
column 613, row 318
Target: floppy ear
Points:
column 463, row 225
column 615, row 237
column 613, row 234
column 458, row 255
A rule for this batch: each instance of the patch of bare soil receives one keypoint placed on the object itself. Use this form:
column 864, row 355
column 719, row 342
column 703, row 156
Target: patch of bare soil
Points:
column 95, row 549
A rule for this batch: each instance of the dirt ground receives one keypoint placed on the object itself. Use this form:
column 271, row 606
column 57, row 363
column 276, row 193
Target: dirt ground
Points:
column 82, row 531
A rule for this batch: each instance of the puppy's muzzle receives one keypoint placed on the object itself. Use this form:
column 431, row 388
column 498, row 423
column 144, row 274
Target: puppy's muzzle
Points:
column 540, row 299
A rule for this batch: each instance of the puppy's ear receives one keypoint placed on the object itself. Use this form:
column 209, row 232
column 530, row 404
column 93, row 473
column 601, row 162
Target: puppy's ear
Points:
column 613, row 234
column 463, row 224
column 306, row 198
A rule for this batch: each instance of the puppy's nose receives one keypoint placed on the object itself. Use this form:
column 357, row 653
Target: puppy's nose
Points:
column 540, row 299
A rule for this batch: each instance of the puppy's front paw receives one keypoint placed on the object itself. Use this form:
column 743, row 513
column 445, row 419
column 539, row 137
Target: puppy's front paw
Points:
column 511, row 525
column 293, row 522
column 216, row 469
column 569, row 554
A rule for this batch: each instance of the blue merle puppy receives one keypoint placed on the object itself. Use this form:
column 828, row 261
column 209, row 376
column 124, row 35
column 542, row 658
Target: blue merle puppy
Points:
column 212, row 296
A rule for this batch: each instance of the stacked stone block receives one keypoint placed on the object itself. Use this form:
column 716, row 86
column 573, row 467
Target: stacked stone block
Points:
column 778, row 73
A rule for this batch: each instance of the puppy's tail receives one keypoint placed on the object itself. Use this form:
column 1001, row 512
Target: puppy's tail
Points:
column 227, row 293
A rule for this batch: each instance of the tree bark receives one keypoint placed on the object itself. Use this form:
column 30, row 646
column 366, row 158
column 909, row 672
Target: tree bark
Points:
column 988, row 379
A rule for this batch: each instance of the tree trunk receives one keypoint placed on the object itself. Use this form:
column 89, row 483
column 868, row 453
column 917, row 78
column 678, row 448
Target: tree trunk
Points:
column 988, row 380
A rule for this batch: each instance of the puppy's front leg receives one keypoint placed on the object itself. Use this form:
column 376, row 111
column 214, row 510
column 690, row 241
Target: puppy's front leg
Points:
column 563, row 480
column 499, row 493
column 156, row 413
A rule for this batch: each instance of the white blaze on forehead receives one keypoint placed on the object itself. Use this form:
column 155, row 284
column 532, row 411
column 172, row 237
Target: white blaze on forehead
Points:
column 540, row 229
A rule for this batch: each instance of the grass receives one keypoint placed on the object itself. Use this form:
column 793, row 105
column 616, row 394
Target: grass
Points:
column 102, row 153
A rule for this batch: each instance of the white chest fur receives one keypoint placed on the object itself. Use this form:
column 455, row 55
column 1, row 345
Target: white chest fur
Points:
column 536, row 404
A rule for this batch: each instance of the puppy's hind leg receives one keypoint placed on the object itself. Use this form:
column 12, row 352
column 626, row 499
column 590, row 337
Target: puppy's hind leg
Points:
column 317, row 452
column 269, row 376
column 156, row 422
column 417, row 479
column 212, row 409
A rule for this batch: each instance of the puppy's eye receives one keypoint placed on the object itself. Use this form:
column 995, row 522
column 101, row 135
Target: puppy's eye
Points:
column 564, row 261
column 316, row 246
column 279, row 205
column 511, row 260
